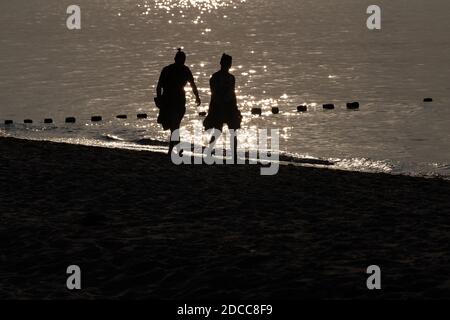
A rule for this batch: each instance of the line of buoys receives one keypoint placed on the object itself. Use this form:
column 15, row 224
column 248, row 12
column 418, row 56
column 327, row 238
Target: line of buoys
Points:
column 254, row 111
column 353, row 105
column 257, row 111
column 96, row 118
column 73, row 119
column 302, row 108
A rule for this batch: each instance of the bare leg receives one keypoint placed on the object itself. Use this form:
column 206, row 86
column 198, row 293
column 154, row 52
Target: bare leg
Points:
column 171, row 144
column 212, row 142
column 173, row 141
column 234, row 142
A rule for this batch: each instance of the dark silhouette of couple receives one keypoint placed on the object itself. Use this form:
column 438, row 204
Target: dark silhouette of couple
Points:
column 171, row 98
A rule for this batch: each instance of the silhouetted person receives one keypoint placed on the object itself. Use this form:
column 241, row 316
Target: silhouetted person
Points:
column 171, row 96
column 223, row 108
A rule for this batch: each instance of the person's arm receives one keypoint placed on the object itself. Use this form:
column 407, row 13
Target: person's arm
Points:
column 233, row 94
column 212, row 86
column 194, row 89
column 159, row 87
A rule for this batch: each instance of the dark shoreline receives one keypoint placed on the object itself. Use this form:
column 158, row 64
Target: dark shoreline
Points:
column 140, row 227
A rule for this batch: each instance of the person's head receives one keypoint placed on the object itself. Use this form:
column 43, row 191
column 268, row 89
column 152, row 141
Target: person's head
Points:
column 180, row 57
column 226, row 62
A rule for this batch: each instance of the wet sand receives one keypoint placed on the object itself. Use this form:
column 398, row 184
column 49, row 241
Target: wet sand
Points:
column 141, row 227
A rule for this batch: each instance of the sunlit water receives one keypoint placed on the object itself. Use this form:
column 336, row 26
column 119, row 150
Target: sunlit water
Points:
column 286, row 53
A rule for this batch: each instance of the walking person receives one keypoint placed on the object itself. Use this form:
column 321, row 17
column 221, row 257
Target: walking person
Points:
column 223, row 107
column 171, row 97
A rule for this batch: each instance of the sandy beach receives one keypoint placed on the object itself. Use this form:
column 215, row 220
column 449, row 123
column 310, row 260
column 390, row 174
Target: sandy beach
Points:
column 141, row 227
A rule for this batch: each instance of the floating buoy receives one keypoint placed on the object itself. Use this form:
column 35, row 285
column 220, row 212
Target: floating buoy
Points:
column 96, row 118
column 202, row 114
column 302, row 108
column 70, row 120
column 27, row 121
column 48, row 120
column 7, row 122
column 122, row 116
column 353, row 105
column 142, row 116
column 328, row 106
column 428, row 100
column 257, row 111
column 275, row 110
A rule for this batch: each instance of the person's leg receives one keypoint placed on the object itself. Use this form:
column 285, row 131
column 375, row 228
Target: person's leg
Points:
column 213, row 137
column 233, row 145
column 176, row 126
column 174, row 137
column 234, row 142
column 216, row 133
column 171, row 142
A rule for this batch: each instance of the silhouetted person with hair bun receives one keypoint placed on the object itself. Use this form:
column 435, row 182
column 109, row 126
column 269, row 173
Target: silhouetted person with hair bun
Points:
column 171, row 97
column 223, row 108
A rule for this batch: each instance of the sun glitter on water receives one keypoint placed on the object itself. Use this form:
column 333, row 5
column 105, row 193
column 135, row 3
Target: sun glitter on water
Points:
column 202, row 5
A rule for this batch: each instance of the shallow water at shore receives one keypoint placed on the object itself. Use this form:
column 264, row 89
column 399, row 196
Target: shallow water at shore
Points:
column 152, row 145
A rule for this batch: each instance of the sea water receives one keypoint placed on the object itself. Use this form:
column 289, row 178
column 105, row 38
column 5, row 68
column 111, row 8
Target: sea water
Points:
column 286, row 53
